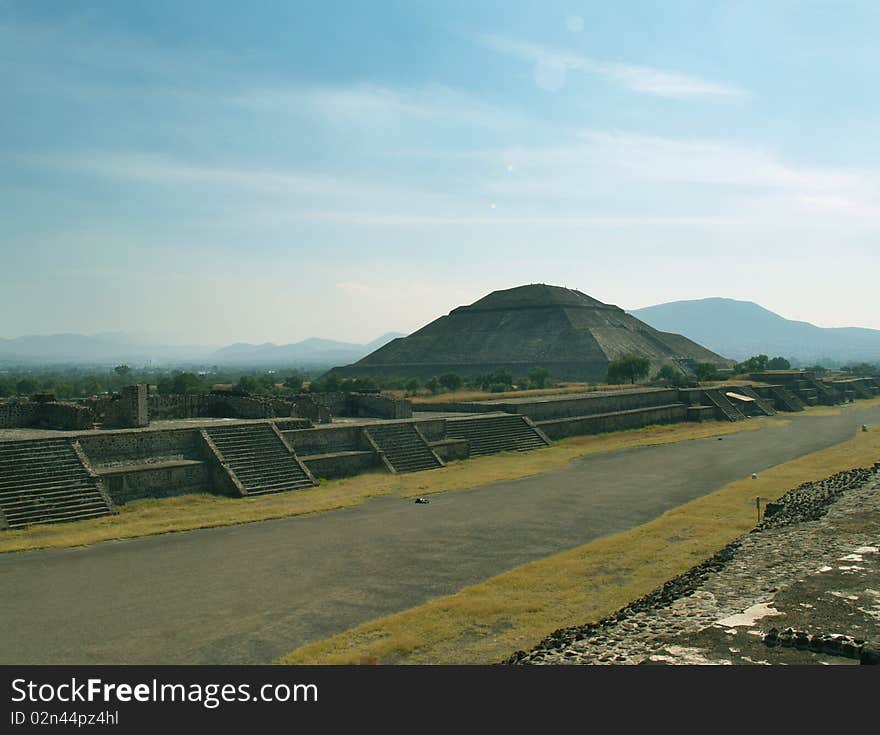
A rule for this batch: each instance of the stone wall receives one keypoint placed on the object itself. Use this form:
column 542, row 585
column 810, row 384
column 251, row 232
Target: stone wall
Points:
column 325, row 440
column 451, row 449
column 217, row 405
column 17, row 413
column 161, row 481
column 362, row 405
column 375, row 405
column 616, row 421
column 342, row 465
column 127, row 446
column 127, row 410
column 432, row 429
column 64, row 415
column 564, row 406
column 552, row 408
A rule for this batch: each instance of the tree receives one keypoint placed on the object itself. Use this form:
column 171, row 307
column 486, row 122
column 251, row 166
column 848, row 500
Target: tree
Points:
column 412, row 385
column 668, row 375
column 294, row 382
column 491, row 381
column 186, row 383
column 705, row 371
column 450, row 381
column 433, row 385
column 26, row 386
column 247, row 383
column 755, row 364
column 122, row 370
column 779, row 363
column 631, row 367
column 539, row 377
column 863, row 369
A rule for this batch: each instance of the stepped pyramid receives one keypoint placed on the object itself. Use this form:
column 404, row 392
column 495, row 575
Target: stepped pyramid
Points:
column 571, row 334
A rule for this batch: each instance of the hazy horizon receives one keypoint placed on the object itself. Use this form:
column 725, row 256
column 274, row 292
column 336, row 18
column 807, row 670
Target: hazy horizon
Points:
column 213, row 174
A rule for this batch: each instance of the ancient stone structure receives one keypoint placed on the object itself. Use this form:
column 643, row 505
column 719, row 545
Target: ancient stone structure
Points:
column 82, row 474
column 133, row 408
column 565, row 331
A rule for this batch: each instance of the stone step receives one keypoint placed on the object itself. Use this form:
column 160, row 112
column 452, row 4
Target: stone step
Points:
column 259, row 459
column 56, row 507
column 16, row 504
column 280, row 488
column 44, row 481
column 496, row 434
column 41, row 490
column 46, row 519
column 256, row 478
column 403, row 447
column 42, row 476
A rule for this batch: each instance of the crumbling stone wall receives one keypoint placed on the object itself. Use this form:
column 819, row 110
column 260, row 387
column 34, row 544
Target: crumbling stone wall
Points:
column 126, row 410
column 17, row 413
column 51, row 414
column 219, row 405
column 376, row 405
column 360, row 405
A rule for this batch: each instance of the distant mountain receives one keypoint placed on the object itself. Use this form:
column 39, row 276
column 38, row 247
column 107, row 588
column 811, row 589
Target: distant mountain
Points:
column 116, row 348
column 99, row 349
column 310, row 352
column 740, row 329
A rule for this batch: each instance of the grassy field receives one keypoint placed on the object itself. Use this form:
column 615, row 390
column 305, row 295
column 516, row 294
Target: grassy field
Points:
column 188, row 512
column 484, row 623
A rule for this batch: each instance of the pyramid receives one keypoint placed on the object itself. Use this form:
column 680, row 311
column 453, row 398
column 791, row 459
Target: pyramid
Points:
column 571, row 334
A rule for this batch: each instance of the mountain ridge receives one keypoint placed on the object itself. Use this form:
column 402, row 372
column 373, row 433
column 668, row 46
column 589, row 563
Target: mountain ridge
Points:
column 740, row 329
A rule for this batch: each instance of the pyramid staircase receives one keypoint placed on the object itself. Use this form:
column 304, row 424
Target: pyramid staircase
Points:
column 826, row 394
column 765, row 407
column 402, row 447
column 48, row 481
column 258, row 458
column 491, row 434
column 861, row 389
column 785, row 399
column 724, row 406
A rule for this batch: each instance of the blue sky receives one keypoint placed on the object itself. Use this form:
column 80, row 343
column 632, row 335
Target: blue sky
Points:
column 215, row 172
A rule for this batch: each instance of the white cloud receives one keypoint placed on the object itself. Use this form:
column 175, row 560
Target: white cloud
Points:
column 551, row 66
column 370, row 105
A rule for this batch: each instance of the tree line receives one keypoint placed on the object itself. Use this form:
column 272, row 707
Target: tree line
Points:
column 631, row 368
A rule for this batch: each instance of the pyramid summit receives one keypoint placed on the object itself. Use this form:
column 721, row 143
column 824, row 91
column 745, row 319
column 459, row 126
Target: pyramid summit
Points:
column 564, row 330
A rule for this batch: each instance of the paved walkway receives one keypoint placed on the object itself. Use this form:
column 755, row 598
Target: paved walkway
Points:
column 250, row 593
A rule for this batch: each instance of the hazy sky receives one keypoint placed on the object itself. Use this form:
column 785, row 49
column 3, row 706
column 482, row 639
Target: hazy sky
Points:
column 270, row 171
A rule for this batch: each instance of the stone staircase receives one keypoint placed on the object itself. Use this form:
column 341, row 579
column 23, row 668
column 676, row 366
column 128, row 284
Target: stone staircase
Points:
column 403, row 447
column 765, row 407
column 491, row 434
column 725, row 407
column 786, row 399
column 256, row 455
column 47, row 481
column 828, row 396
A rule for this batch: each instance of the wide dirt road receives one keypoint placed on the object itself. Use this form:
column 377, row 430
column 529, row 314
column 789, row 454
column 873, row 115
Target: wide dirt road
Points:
column 247, row 594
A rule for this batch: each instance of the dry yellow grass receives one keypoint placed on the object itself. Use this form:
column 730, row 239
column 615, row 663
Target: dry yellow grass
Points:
column 512, row 611
column 189, row 512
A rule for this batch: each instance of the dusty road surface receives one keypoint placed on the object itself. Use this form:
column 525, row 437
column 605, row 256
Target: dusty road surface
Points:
column 250, row 593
